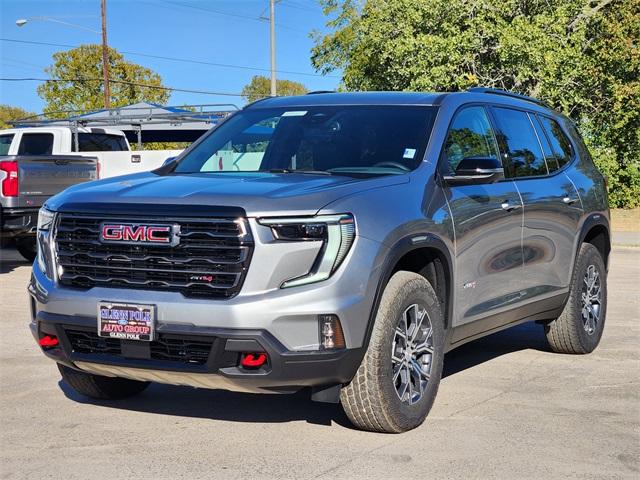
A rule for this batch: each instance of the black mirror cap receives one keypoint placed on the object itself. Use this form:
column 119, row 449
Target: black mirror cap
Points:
column 168, row 161
column 478, row 166
column 476, row 170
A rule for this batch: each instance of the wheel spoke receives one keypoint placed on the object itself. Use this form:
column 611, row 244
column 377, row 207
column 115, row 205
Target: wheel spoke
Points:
column 418, row 369
column 396, row 372
column 424, row 347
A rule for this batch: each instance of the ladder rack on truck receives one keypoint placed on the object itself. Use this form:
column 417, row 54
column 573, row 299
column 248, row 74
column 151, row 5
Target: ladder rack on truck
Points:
column 141, row 123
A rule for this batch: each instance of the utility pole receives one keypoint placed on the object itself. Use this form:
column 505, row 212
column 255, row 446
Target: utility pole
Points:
column 272, row 26
column 105, row 54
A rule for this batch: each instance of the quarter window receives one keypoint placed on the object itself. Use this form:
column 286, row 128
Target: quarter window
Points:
column 36, row 144
column 517, row 138
column 560, row 144
column 469, row 136
column 5, row 144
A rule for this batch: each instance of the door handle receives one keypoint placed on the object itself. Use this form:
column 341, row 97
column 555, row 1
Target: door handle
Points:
column 508, row 207
column 569, row 200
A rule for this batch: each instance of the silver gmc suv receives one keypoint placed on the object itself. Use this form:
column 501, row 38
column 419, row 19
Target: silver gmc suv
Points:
column 338, row 242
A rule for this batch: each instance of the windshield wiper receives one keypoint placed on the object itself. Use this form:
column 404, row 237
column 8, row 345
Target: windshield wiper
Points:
column 306, row 172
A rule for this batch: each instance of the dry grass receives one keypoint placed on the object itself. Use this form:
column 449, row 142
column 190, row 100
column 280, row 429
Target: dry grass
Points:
column 625, row 220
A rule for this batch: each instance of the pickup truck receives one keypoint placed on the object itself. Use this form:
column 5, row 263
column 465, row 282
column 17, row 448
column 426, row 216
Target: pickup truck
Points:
column 38, row 162
column 109, row 146
column 26, row 181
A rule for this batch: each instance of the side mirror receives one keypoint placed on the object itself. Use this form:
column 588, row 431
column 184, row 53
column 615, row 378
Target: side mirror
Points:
column 474, row 170
column 168, row 161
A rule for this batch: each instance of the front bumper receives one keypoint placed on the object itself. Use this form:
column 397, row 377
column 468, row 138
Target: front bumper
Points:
column 281, row 322
column 285, row 372
column 16, row 222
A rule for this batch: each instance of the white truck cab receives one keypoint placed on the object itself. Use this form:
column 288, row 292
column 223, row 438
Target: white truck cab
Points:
column 109, row 146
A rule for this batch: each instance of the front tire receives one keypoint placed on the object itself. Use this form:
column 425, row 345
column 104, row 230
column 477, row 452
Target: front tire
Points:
column 396, row 384
column 579, row 328
column 100, row 387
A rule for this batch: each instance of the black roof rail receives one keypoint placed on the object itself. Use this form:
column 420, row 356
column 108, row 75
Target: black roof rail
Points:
column 316, row 92
column 506, row 93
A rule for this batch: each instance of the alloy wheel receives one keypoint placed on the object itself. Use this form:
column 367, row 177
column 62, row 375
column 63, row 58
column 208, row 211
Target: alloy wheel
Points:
column 412, row 354
column 591, row 299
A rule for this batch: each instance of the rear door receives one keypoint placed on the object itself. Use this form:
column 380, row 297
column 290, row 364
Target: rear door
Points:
column 552, row 207
column 487, row 220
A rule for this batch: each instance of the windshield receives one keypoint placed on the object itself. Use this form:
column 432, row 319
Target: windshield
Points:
column 346, row 140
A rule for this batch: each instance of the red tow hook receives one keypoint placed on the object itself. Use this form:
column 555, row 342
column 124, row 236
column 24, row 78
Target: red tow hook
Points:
column 253, row 360
column 48, row 341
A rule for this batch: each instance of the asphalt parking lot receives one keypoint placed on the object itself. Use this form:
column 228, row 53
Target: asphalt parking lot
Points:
column 507, row 408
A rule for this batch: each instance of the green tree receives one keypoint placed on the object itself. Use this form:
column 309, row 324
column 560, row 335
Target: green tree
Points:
column 8, row 113
column 260, row 87
column 580, row 56
column 82, row 67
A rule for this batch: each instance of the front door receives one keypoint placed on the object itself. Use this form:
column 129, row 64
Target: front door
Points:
column 487, row 220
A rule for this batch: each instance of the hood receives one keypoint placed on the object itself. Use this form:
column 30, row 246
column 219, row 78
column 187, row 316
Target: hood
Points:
column 258, row 194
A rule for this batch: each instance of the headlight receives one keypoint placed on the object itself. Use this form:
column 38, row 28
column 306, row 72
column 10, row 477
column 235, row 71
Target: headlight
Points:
column 45, row 219
column 337, row 232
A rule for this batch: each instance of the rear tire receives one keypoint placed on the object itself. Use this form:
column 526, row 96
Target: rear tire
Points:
column 99, row 387
column 579, row 328
column 396, row 384
column 27, row 247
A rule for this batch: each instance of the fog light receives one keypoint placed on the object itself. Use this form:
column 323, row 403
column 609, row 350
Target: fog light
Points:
column 253, row 360
column 49, row 341
column 331, row 336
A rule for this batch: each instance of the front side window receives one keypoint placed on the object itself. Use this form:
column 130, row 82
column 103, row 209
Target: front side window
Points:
column 517, row 138
column 36, row 144
column 5, row 144
column 101, row 142
column 344, row 140
column 560, row 144
column 470, row 136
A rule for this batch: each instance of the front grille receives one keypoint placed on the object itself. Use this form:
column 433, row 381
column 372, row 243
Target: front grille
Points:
column 169, row 348
column 210, row 260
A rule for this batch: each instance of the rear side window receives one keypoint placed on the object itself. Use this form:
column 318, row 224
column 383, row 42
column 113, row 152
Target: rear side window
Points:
column 5, row 143
column 470, row 135
column 36, row 144
column 517, row 138
column 552, row 161
column 101, row 142
column 560, row 144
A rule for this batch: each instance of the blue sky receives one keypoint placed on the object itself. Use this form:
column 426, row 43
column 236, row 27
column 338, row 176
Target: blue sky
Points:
column 218, row 31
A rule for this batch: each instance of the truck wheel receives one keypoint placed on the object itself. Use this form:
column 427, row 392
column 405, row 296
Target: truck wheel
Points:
column 579, row 328
column 396, row 384
column 26, row 246
column 97, row 386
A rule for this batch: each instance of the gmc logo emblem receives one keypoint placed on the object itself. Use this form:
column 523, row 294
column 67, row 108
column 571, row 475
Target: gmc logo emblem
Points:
column 133, row 233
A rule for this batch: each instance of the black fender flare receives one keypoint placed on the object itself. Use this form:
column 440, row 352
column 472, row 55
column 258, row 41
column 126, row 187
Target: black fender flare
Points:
column 399, row 249
column 594, row 220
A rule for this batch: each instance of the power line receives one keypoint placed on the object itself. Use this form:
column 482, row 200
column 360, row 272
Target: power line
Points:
column 126, row 82
column 176, row 59
column 228, row 14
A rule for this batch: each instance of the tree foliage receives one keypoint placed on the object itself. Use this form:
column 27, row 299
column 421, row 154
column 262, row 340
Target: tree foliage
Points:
column 580, row 56
column 81, row 68
column 8, row 113
column 260, row 87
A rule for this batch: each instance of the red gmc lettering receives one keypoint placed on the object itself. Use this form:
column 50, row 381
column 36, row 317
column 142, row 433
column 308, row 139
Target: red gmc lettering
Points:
column 138, row 233
column 151, row 234
column 131, row 234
